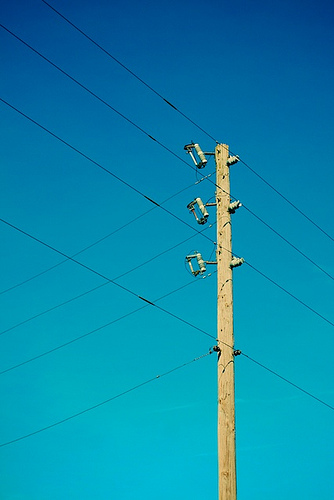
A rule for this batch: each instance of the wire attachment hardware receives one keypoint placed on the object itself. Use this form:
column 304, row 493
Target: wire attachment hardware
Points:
column 231, row 160
column 202, row 160
column 236, row 262
column 237, row 352
column 201, row 207
column 234, row 206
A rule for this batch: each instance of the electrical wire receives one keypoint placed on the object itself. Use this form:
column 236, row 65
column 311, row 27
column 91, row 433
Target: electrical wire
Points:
column 161, row 144
column 289, row 293
column 271, row 371
column 102, row 276
column 86, row 410
column 288, row 242
column 31, row 318
column 91, row 332
column 93, row 244
column 128, row 70
column 287, row 200
column 170, row 314
column 108, row 171
column 288, row 381
column 273, row 230
column 158, row 142
column 142, row 298
column 155, row 203
column 96, row 97
column 105, row 169
column 92, row 289
column 185, row 116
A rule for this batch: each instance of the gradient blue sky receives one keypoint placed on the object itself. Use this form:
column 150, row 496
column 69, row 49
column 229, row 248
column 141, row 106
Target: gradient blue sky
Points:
column 255, row 75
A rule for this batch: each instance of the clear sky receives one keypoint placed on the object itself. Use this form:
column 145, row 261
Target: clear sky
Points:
column 257, row 76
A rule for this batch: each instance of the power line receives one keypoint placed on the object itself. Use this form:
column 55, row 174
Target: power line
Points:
column 91, row 332
column 105, row 401
column 289, row 293
column 128, row 70
column 168, row 312
column 93, row 244
column 96, row 97
column 138, row 296
column 288, row 242
column 105, row 169
column 121, row 180
column 287, row 200
column 186, row 117
column 275, row 231
column 288, row 381
column 158, row 142
column 272, row 229
column 180, row 319
column 102, row 275
column 160, row 308
column 176, row 317
column 155, row 203
column 92, row 289
column 151, row 137
column 86, row 410
column 176, row 368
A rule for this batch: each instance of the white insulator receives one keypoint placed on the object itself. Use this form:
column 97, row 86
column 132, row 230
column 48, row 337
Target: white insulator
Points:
column 202, row 208
column 236, row 262
column 231, row 160
column 234, row 206
column 201, row 263
column 201, row 156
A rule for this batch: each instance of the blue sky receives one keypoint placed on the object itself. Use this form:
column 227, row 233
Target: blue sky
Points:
column 255, row 75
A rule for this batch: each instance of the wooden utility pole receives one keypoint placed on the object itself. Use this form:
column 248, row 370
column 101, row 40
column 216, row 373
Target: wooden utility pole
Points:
column 226, row 400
